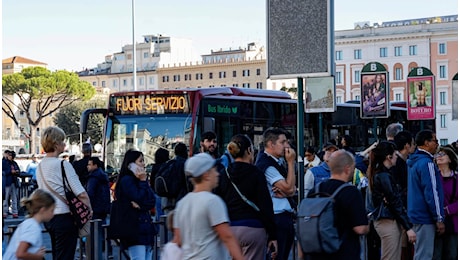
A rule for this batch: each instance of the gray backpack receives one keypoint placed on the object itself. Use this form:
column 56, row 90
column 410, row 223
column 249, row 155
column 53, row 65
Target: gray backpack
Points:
column 316, row 228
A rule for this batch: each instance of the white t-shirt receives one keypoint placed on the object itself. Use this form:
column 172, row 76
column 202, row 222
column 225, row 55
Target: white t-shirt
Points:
column 196, row 214
column 171, row 252
column 51, row 167
column 29, row 231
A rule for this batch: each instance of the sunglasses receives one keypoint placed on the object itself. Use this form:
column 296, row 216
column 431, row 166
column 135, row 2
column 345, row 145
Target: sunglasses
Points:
column 440, row 154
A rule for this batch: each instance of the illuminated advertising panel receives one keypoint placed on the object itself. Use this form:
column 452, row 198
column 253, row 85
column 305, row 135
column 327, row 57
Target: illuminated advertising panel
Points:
column 144, row 104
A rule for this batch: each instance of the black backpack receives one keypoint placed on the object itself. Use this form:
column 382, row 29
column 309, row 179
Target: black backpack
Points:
column 168, row 180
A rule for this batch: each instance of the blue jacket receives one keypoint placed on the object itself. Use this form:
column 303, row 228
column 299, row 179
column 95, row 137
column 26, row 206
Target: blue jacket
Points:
column 321, row 173
column 8, row 177
column 99, row 191
column 132, row 189
column 424, row 192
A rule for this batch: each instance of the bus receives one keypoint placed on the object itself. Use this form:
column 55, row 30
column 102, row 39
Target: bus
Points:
column 148, row 120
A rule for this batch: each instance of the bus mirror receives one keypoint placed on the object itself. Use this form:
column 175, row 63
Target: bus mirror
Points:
column 85, row 117
column 209, row 124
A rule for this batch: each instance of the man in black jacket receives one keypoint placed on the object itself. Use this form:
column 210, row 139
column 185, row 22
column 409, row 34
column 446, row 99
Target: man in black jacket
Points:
column 80, row 166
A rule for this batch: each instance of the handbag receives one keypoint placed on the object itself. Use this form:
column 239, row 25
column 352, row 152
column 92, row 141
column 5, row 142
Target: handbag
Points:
column 80, row 212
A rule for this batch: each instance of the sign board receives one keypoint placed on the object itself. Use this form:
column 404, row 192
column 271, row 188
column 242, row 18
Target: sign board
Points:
column 299, row 38
column 319, row 95
column 144, row 104
column 375, row 90
column 420, row 94
column 455, row 97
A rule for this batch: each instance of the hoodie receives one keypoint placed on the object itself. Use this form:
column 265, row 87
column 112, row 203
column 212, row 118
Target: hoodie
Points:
column 99, row 191
column 424, row 192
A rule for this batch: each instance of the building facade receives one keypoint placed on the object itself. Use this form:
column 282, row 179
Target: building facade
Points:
column 399, row 45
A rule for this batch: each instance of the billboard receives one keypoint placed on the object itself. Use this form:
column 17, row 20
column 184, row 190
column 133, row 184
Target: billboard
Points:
column 420, row 98
column 374, row 95
column 319, row 95
column 300, row 38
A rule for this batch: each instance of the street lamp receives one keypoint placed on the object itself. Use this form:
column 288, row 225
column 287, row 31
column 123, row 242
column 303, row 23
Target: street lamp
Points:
column 134, row 51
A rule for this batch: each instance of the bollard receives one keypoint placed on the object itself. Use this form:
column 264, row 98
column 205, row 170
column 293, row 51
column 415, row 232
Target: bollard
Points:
column 163, row 230
column 94, row 240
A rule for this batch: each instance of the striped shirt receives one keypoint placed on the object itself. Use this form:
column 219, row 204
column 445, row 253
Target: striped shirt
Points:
column 51, row 167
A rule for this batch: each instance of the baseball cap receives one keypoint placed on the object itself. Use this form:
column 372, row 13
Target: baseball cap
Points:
column 198, row 164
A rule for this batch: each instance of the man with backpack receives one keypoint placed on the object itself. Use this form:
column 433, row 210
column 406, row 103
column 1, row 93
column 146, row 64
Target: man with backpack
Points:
column 348, row 205
column 170, row 182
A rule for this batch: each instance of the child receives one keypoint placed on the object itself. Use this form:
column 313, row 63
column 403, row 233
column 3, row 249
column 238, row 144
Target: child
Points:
column 171, row 250
column 27, row 241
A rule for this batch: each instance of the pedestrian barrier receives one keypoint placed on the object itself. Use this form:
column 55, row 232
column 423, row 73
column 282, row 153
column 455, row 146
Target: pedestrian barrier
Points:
column 97, row 246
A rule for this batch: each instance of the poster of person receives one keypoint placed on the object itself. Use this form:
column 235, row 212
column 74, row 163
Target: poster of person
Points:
column 374, row 95
column 319, row 95
column 420, row 98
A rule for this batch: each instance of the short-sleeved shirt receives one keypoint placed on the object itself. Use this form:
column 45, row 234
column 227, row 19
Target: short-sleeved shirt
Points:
column 32, row 169
column 196, row 214
column 29, row 231
column 51, row 167
column 351, row 213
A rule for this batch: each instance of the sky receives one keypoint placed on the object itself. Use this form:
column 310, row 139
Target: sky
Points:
column 74, row 35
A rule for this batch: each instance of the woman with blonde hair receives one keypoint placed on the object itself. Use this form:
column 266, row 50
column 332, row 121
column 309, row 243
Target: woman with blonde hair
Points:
column 62, row 228
column 446, row 245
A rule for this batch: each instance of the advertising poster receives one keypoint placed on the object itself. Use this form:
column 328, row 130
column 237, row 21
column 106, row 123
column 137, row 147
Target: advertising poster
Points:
column 374, row 95
column 420, row 98
column 319, row 95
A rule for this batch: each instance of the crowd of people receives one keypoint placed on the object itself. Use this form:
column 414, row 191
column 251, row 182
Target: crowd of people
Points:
column 242, row 204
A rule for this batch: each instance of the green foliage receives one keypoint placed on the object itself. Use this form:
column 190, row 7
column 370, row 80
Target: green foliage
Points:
column 68, row 119
column 41, row 93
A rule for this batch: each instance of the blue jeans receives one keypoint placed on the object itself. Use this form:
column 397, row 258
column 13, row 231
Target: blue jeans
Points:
column 140, row 252
column 424, row 247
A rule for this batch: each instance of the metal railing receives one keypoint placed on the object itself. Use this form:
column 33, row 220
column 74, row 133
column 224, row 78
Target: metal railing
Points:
column 98, row 246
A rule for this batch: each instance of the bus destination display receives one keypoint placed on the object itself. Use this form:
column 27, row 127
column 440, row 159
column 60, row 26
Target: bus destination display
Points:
column 144, row 104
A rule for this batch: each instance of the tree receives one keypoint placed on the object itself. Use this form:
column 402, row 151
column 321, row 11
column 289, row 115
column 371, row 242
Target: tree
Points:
column 68, row 119
column 292, row 91
column 40, row 93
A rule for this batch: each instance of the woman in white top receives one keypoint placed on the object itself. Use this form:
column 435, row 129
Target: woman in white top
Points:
column 62, row 229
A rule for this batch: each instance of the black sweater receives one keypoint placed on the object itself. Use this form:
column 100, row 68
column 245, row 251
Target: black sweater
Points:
column 252, row 184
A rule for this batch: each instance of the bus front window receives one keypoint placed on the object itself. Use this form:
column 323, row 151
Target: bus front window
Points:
column 144, row 133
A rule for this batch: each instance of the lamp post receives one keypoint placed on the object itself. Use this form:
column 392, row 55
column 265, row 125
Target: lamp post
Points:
column 134, row 51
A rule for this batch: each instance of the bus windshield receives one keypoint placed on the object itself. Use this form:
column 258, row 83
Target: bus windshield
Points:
column 145, row 133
